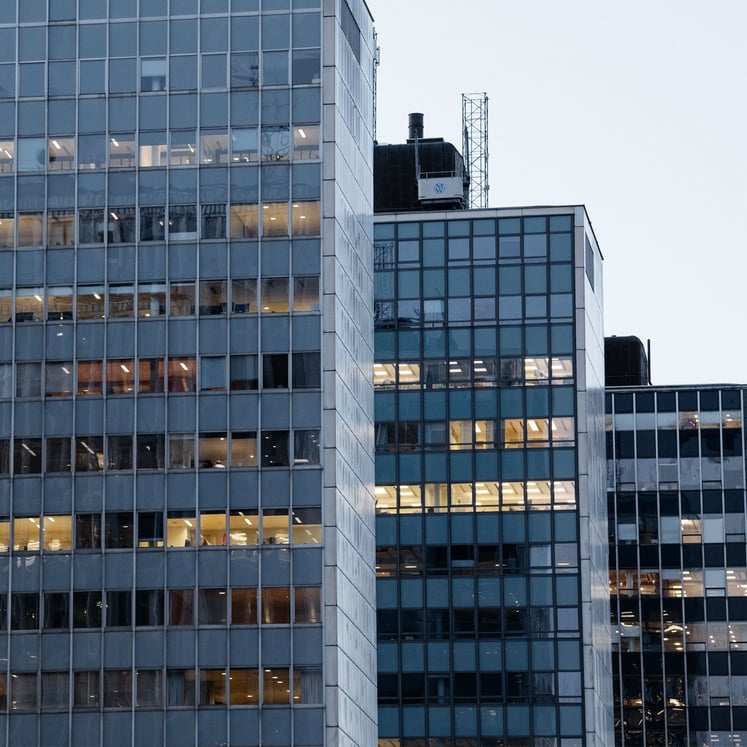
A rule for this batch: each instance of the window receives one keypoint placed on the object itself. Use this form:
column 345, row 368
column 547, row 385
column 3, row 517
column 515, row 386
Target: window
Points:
column 275, row 371
column 60, row 228
column 213, row 221
column 306, row 525
column 60, row 304
column 121, row 301
column 153, row 74
column 90, row 303
column 244, row 687
column 24, row 612
column 213, row 450
column 275, row 526
column 244, row 296
column 244, row 221
column 308, row 604
column 275, row 295
column 121, row 227
column 275, row 143
column 85, row 690
column 122, row 151
column 181, row 529
column 243, row 606
column 150, row 375
column 58, row 533
column 213, row 297
column 306, row 447
column 149, row 529
column 244, row 449
column 183, row 148
column 149, row 607
column 306, row 142
column 61, row 154
column 182, row 222
column 23, row 692
column 212, row 609
column 120, row 376
column 182, row 299
column 306, row 370
column 306, row 293
column 180, row 687
column 181, row 607
column 151, row 451
column 182, row 375
column 212, row 528
column 151, row 300
column 119, row 530
column 27, row 456
column 212, row 373
column 212, row 687
column 87, row 607
column 118, row 609
column 275, row 605
column 275, row 448
column 87, row 531
column 275, row 687
column 213, row 147
column 244, row 372
column 181, row 451
column 149, row 688
column 306, row 218
column 152, row 223
column 56, row 611
column 243, row 528
column 59, row 380
column 275, row 219
column 119, row 452
column 118, row 688
column 244, row 145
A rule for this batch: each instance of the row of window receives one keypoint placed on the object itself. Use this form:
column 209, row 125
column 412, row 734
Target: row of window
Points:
column 409, row 435
column 209, row 147
column 154, row 688
column 475, row 496
column 123, row 530
column 279, row 605
column 468, row 373
column 32, row 456
column 673, row 582
column 128, row 75
column 156, row 375
column 269, row 295
column 179, row 222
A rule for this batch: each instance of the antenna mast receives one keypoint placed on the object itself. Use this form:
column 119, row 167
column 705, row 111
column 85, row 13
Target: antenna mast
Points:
column 475, row 146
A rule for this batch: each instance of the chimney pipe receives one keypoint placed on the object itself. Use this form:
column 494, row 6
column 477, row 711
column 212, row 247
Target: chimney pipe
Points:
column 415, row 126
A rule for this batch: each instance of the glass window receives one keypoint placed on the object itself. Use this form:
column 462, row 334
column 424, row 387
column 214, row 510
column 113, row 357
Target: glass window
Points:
column 244, row 145
column 59, row 454
column 212, row 528
column 214, row 147
column 244, row 296
column 306, row 67
column 244, row 684
column 90, row 302
column 308, row 603
column 122, row 151
column 180, row 687
column 213, row 221
column 23, row 695
column 183, row 148
column 150, row 375
column 121, row 228
column 120, row 530
column 59, row 379
column 85, row 690
column 181, row 529
column 245, row 70
column 153, row 149
column 149, row 688
column 182, row 375
column 275, row 295
column 306, row 142
column 213, row 297
column 275, row 68
column 182, row 222
column 59, row 304
column 212, row 373
column 212, row 687
column 244, row 221
column 117, row 688
column 306, row 524
column 4, row 542
column 275, row 448
column 212, row 607
column 28, row 380
column 6, row 380
column 91, row 151
column 32, row 154
column 181, row 606
column 275, row 219
column 181, row 451
column 55, row 686
column 306, row 447
column 151, row 451
column 87, row 606
column 120, row 376
column 87, row 531
column 244, row 450
column 213, row 450
column 306, row 293
column 27, row 456
column 26, row 534
column 243, row 528
column 275, row 605
column 7, row 149
column 151, row 300
column 306, row 219
column 275, row 143
column 7, row 229
column 119, row 452
column 182, row 299
column 153, row 74
column 121, row 302
column 89, row 454
column 152, row 223
column 275, row 371
column 58, row 532
column 62, row 154
column 244, row 372
column 275, row 686
column 306, row 370
column 30, row 229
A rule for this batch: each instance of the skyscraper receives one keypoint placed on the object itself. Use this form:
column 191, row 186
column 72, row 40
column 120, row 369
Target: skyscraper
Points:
column 491, row 554
column 186, row 523
column 678, row 570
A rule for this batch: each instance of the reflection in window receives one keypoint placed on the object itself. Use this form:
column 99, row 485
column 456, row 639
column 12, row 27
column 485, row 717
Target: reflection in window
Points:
column 119, row 452
column 27, row 456
column 152, row 223
column 85, row 690
column 244, row 221
column 121, row 302
column 32, row 154
column 306, row 447
column 23, row 692
column 182, row 375
column 306, row 219
column 275, row 295
column 243, row 371
column 30, row 229
column 244, row 296
column 183, row 148
column 149, row 688
column 89, row 454
column 151, row 300
column 59, row 380
column 211, row 607
column 90, row 302
column 213, row 221
column 306, row 66
column 308, row 604
column 153, row 74
column 28, row 380
column 275, row 143
column 121, row 227
column 276, row 605
column 150, row 375
column 182, row 299
column 59, row 304
column 306, row 293
column 243, row 528
column 213, row 147
column 275, row 219
column 60, row 228
column 120, row 376
column 181, row 606
column 212, row 687
column 180, row 687
column 61, row 154
column 244, row 145
column 275, row 371
column 213, row 297
column 306, row 142
column 182, row 222
column 7, row 229
column 245, row 70
column 7, row 149
column 181, row 451
column 122, row 151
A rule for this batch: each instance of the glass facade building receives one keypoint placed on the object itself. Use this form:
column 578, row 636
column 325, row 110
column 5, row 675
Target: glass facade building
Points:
column 492, row 569
column 678, row 570
column 186, row 465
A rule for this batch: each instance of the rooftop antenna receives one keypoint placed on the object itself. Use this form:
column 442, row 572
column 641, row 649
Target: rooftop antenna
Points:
column 475, row 146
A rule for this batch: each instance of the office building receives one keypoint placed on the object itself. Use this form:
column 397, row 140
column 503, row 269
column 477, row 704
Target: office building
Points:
column 678, row 571
column 491, row 556
column 186, row 517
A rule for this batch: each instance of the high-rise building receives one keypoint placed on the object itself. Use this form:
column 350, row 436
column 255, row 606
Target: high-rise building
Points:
column 491, row 551
column 186, row 517
column 678, row 570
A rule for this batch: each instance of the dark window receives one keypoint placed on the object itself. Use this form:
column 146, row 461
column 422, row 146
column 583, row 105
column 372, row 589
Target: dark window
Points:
column 87, row 609
column 56, row 610
column 118, row 609
column 119, row 530
column 275, row 449
column 351, row 30
column 149, row 607
column 307, row 371
column 24, row 614
column 87, row 531
column 275, row 371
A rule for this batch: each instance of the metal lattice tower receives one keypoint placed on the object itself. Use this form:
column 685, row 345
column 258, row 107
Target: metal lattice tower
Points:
column 475, row 146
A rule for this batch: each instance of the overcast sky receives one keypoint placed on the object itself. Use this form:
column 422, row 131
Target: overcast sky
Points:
column 637, row 110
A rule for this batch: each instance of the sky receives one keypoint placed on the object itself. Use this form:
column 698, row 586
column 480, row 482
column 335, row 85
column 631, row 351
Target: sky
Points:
column 637, row 110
